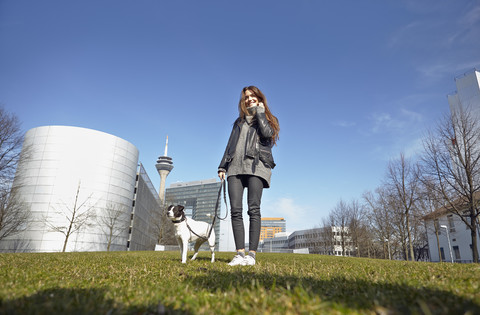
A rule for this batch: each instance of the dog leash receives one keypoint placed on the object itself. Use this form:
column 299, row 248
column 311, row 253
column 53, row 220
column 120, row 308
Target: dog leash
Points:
column 223, row 187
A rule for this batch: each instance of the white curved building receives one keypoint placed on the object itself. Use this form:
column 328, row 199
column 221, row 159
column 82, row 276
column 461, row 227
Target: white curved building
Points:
column 75, row 169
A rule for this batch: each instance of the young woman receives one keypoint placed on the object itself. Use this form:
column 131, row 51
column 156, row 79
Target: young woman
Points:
column 248, row 163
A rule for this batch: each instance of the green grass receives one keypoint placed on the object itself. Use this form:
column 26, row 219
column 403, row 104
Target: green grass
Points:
column 157, row 283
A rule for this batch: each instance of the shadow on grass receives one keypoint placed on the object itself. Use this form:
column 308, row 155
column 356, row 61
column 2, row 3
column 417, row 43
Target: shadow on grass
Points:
column 76, row 301
column 380, row 297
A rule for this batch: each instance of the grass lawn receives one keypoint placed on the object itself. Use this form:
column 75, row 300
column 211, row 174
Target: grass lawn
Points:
column 157, row 283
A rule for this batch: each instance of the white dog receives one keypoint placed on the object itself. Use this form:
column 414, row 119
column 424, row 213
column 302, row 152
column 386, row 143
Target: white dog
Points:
column 188, row 230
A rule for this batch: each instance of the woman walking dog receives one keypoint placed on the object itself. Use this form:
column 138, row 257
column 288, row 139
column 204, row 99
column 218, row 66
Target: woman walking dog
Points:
column 248, row 163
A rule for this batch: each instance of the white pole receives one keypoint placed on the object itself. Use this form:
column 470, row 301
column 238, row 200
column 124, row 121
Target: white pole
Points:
column 448, row 239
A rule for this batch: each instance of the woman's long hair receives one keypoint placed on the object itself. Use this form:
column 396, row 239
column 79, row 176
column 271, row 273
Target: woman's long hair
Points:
column 243, row 111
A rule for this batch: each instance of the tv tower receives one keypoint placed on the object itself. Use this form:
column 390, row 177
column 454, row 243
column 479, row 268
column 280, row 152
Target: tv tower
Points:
column 164, row 166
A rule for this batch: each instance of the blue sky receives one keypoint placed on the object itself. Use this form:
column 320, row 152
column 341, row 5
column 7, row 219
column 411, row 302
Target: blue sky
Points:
column 353, row 83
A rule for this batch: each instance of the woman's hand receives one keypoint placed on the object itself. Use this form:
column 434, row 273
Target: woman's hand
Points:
column 221, row 175
column 261, row 104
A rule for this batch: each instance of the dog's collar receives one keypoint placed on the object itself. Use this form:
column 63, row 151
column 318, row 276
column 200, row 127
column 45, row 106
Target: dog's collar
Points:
column 178, row 221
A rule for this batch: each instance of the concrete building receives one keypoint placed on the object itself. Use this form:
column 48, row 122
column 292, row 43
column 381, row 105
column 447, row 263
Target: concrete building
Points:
column 199, row 199
column 80, row 176
column 272, row 226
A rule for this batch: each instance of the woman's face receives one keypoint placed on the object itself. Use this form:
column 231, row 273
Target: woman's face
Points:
column 250, row 99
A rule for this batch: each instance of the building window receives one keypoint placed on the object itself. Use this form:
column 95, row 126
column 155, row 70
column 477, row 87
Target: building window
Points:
column 451, row 223
column 456, row 250
column 442, row 253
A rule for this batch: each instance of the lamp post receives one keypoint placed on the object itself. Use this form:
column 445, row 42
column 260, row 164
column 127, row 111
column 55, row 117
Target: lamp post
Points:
column 388, row 246
column 448, row 239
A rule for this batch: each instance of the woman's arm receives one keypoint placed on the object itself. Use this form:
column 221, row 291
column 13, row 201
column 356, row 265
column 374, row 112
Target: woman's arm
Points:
column 266, row 130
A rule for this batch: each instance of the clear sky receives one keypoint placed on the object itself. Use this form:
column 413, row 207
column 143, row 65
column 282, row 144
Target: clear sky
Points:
column 353, row 83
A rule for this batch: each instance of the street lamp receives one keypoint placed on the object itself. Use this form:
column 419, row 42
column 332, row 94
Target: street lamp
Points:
column 388, row 246
column 448, row 239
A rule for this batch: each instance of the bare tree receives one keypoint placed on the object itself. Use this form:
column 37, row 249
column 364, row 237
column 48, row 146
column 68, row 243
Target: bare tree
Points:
column 14, row 213
column 76, row 217
column 452, row 161
column 403, row 178
column 326, row 236
column 166, row 235
column 380, row 216
column 357, row 230
column 114, row 221
column 429, row 202
column 11, row 139
column 400, row 233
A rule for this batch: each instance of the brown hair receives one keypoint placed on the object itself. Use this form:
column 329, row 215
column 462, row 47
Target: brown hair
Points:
column 243, row 111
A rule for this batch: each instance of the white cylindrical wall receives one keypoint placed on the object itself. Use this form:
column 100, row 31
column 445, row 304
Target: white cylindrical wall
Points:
column 60, row 161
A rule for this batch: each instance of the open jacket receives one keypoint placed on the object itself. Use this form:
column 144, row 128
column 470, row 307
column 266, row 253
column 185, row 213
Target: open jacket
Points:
column 259, row 142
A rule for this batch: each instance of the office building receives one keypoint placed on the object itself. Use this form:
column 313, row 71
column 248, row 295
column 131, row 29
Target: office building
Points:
column 272, row 226
column 324, row 241
column 199, row 199
column 146, row 214
column 276, row 244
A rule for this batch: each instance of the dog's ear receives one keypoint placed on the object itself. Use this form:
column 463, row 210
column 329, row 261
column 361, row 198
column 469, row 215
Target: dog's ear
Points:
column 180, row 208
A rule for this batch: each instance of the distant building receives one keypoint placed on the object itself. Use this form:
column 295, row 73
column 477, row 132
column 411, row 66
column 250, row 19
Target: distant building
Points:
column 272, row 226
column 324, row 241
column 91, row 172
column 199, row 199
column 276, row 244
column 310, row 238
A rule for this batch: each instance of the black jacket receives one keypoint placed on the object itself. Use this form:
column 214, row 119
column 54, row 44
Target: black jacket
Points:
column 259, row 142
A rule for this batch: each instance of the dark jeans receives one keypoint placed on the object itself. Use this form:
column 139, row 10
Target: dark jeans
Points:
column 236, row 186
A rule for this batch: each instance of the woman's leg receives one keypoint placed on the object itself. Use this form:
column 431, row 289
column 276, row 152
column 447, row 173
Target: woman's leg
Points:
column 255, row 189
column 235, row 193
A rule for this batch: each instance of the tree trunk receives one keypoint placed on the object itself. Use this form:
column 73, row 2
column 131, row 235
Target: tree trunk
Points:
column 473, row 233
column 438, row 244
column 65, row 244
column 410, row 245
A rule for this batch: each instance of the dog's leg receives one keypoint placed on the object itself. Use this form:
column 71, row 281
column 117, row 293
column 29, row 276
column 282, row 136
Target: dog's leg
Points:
column 195, row 250
column 198, row 243
column 211, row 243
column 184, row 251
column 180, row 245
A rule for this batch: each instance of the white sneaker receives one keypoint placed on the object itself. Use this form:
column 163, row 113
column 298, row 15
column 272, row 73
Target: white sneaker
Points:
column 249, row 260
column 237, row 261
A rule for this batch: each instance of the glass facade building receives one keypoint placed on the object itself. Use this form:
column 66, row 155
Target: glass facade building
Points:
column 199, row 199
column 146, row 214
